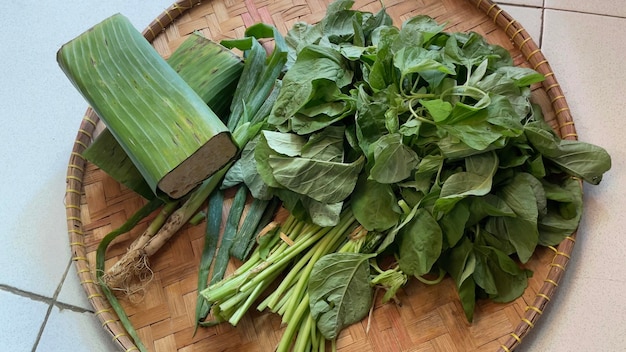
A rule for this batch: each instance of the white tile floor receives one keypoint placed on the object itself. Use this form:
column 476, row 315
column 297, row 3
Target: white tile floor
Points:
column 43, row 307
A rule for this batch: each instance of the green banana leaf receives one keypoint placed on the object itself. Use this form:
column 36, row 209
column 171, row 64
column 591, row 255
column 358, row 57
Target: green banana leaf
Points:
column 174, row 139
column 210, row 69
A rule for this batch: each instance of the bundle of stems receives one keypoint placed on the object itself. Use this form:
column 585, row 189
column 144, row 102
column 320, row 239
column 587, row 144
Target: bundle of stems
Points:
column 298, row 247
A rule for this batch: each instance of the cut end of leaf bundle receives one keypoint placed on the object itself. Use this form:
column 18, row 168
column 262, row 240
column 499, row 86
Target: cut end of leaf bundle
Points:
column 207, row 160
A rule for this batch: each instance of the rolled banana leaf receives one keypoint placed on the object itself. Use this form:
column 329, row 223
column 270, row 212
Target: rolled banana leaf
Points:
column 210, row 69
column 174, row 139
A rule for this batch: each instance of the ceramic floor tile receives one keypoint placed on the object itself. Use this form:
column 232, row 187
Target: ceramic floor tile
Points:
column 529, row 17
column 69, row 331
column 590, row 308
column 615, row 8
column 20, row 320
column 34, row 255
column 534, row 3
column 72, row 292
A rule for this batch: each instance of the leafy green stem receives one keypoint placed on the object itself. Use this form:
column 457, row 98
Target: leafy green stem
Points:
column 442, row 274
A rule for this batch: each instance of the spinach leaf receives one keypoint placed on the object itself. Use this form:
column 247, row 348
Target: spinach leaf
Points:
column 382, row 72
column 453, row 223
column 475, row 181
column 339, row 291
column 565, row 203
column 287, row 144
column 576, row 158
column 460, row 263
column 521, row 230
column 418, row 30
column 414, row 59
column 326, row 107
column 314, row 63
column 420, row 244
column 326, row 145
column 488, row 205
column 477, row 136
column 522, row 76
column 369, row 117
column 393, row 160
column 262, row 152
column 374, row 205
column 322, row 214
column 498, row 274
column 245, row 170
column 438, row 109
column 327, row 182
column 298, row 37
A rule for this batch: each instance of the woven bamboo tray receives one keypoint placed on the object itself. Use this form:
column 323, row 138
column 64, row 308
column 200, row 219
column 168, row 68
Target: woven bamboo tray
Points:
column 429, row 318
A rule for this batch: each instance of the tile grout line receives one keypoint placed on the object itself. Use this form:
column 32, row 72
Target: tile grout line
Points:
column 541, row 28
column 53, row 302
column 581, row 12
column 41, row 298
column 543, row 7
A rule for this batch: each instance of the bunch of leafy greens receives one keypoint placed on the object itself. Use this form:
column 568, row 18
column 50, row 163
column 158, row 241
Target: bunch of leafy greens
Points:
column 431, row 139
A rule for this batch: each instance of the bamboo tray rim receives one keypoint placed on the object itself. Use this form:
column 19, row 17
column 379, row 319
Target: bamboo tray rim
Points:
column 76, row 171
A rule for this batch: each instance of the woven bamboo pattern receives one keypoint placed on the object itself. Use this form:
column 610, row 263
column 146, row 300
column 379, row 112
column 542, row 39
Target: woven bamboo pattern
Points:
column 430, row 318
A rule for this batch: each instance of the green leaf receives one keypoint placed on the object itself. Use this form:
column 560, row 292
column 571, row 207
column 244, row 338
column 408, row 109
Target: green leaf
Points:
column 438, row 109
column 576, row 158
column 418, row 30
column 339, row 24
column 522, row 76
column 499, row 275
column 565, row 206
column 326, row 145
column 393, row 160
column 323, row 214
column 374, row 205
column 521, row 231
column 250, row 176
column 314, row 63
column 420, row 244
column 369, row 124
column 453, row 223
column 460, row 263
column 288, row 144
column 413, row 59
column 339, row 291
column 298, row 37
column 471, row 48
column 488, row 205
column 475, row 181
column 325, row 108
column 327, row 182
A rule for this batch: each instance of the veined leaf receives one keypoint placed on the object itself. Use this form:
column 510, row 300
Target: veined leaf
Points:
column 314, row 63
column 374, row 205
column 475, row 181
column 499, row 275
column 565, row 203
column 328, row 182
column 339, row 291
column 577, row 158
column 393, row 160
column 521, row 230
column 421, row 242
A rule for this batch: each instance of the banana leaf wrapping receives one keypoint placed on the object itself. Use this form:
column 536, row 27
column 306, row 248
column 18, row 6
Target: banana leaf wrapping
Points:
column 174, row 139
